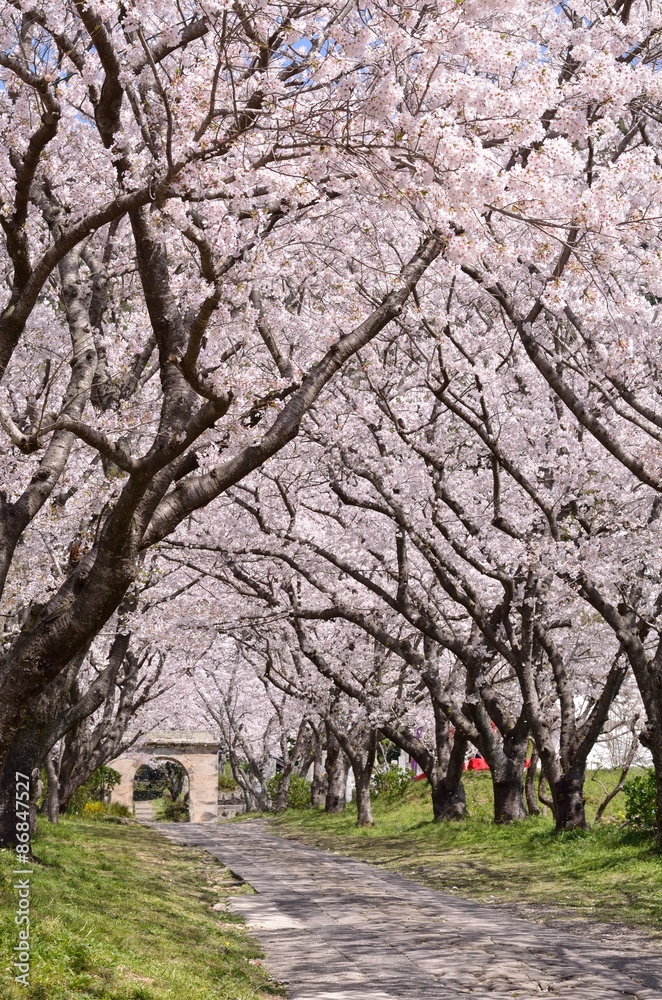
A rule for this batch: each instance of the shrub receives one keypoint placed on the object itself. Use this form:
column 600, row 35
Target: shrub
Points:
column 94, row 810
column 100, row 810
column 78, row 801
column 298, row 794
column 102, row 781
column 118, row 809
column 391, row 785
column 148, row 783
column 175, row 812
column 640, row 801
column 226, row 782
column 143, row 791
column 273, row 784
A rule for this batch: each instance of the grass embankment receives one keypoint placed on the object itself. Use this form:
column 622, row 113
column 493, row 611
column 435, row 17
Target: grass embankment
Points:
column 119, row 913
column 606, row 874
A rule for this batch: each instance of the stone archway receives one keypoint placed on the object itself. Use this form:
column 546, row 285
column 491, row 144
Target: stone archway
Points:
column 197, row 752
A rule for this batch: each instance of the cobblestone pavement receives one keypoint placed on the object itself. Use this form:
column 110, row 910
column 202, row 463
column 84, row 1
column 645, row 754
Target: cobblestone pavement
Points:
column 337, row 929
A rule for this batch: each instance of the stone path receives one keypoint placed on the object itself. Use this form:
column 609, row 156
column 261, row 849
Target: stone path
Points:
column 337, row 929
column 144, row 811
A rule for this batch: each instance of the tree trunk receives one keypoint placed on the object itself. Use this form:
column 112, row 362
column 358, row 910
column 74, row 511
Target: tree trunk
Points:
column 651, row 738
column 65, row 794
column 71, row 775
column 363, row 803
column 548, row 803
column 318, row 784
column 507, row 768
column 23, row 762
column 53, row 794
column 618, row 787
column 251, row 782
column 449, row 801
column 508, row 799
column 532, row 806
column 28, row 754
column 280, row 801
column 337, row 766
column 568, row 794
column 658, row 801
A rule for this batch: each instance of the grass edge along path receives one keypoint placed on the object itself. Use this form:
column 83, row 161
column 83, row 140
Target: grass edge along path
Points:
column 120, row 913
column 607, row 874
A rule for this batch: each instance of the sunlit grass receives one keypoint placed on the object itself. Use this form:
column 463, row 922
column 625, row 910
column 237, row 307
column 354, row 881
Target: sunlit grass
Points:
column 120, row 913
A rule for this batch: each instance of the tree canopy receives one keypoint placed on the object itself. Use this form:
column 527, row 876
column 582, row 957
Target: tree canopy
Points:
column 342, row 323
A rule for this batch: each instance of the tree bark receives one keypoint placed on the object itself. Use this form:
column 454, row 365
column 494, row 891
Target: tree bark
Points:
column 568, row 795
column 443, row 768
column 507, row 768
column 547, row 802
column 658, row 798
column 337, row 767
column 363, row 802
column 29, row 749
column 53, row 793
column 449, row 801
column 532, row 806
column 290, row 757
column 651, row 735
column 65, row 795
column 361, row 754
column 280, row 801
column 508, row 800
column 318, row 784
column 25, row 758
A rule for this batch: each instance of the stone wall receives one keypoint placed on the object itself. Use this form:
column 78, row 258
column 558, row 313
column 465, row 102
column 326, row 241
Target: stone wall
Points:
column 230, row 804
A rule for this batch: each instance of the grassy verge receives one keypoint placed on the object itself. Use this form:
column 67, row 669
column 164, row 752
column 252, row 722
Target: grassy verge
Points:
column 607, row 874
column 119, row 913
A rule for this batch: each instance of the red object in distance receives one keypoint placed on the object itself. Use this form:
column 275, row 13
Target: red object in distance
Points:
column 478, row 764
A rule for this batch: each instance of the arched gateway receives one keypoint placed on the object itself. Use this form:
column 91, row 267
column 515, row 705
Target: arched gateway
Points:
column 196, row 752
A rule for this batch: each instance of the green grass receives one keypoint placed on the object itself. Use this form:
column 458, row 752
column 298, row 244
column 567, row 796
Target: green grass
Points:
column 157, row 806
column 606, row 874
column 120, row 913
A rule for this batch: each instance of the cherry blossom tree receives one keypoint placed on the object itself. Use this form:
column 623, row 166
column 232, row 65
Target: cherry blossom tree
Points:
column 352, row 731
column 259, row 725
column 208, row 213
column 102, row 736
column 397, row 543
column 320, row 647
column 167, row 181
